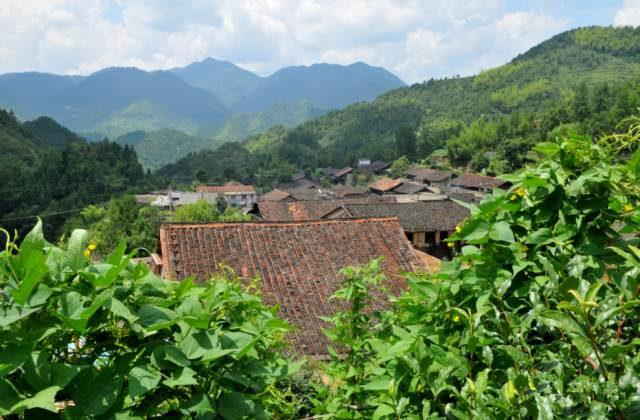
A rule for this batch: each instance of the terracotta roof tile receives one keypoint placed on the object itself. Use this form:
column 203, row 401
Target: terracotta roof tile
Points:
column 297, row 263
column 297, row 211
column 385, row 184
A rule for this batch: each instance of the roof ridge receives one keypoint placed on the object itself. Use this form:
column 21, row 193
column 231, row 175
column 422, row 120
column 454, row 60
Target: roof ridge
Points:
column 285, row 223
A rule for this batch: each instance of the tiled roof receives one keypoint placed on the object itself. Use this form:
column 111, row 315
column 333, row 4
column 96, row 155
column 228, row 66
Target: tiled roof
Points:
column 298, row 176
column 376, row 166
column 275, row 195
column 226, row 189
column 341, row 172
column 409, row 188
column 385, row 184
column 422, row 216
column 310, row 194
column 346, row 190
column 298, row 184
column 297, row 263
column 428, row 174
column 469, row 180
column 295, row 211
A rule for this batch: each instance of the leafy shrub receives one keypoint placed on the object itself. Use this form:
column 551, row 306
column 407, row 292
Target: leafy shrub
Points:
column 538, row 317
column 86, row 340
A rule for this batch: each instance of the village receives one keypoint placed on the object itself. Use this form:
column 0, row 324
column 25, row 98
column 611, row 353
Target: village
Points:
column 304, row 231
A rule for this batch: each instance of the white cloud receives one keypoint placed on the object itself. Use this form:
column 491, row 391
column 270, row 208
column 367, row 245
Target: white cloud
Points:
column 416, row 39
column 629, row 14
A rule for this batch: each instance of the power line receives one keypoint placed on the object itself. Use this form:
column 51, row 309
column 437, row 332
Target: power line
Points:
column 12, row 219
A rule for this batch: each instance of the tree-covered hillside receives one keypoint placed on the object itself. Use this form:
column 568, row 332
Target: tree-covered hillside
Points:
column 585, row 77
column 46, row 169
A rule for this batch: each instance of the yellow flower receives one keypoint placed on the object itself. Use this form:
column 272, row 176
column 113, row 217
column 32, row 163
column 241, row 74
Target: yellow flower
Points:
column 451, row 244
column 456, row 318
column 87, row 253
column 628, row 208
column 92, row 246
column 458, row 229
column 521, row 192
column 513, row 197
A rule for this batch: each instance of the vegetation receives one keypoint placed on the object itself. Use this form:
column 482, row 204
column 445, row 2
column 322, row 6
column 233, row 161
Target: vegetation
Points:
column 203, row 211
column 84, row 340
column 536, row 318
column 122, row 219
column 58, row 174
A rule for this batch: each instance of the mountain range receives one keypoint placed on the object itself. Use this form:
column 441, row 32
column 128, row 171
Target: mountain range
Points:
column 212, row 101
column 583, row 80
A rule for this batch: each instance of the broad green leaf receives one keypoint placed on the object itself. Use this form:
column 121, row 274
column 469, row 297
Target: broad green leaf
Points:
column 142, row 379
column 383, row 411
column 181, row 377
column 14, row 313
column 34, row 265
column 155, row 316
column 74, row 256
column 43, row 399
column 63, row 373
column 234, row 405
column 501, row 231
column 13, row 356
column 378, row 384
column 94, row 393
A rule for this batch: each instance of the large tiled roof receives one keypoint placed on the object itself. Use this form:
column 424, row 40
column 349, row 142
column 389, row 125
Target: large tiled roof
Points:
column 423, row 216
column 230, row 188
column 428, row 174
column 385, row 184
column 297, row 263
column 469, row 180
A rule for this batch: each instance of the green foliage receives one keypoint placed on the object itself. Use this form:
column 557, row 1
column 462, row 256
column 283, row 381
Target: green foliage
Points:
column 399, row 167
column 538, row 317
column 121, row 220
column 202, row 211
column 104, row 340
column 47, row 169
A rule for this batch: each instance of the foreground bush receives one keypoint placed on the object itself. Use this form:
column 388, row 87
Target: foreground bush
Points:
column 539, row 317
column 79, row 340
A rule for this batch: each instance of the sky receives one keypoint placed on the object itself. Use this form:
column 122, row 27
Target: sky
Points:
column 415, row 39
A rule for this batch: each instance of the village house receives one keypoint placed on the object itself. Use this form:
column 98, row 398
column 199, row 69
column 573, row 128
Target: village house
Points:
column 234, row 193
column 373, row 168
column 297, row 264
column 384, row 185
column 304, row 210
column 431, row 177
column 481, row 183
column 427, row 224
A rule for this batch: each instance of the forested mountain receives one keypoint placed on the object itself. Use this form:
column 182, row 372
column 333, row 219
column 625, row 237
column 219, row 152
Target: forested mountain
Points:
column 329, row 86
column 225, row 80
column 211, row 100
column 585, row 79
column 47, row 169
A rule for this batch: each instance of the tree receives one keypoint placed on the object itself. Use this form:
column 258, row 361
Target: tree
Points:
column 405, row 142
column 399, row 167
column 198, row 212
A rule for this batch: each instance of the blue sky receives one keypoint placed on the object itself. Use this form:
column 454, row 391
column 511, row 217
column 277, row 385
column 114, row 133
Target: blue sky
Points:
column 415, row 39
